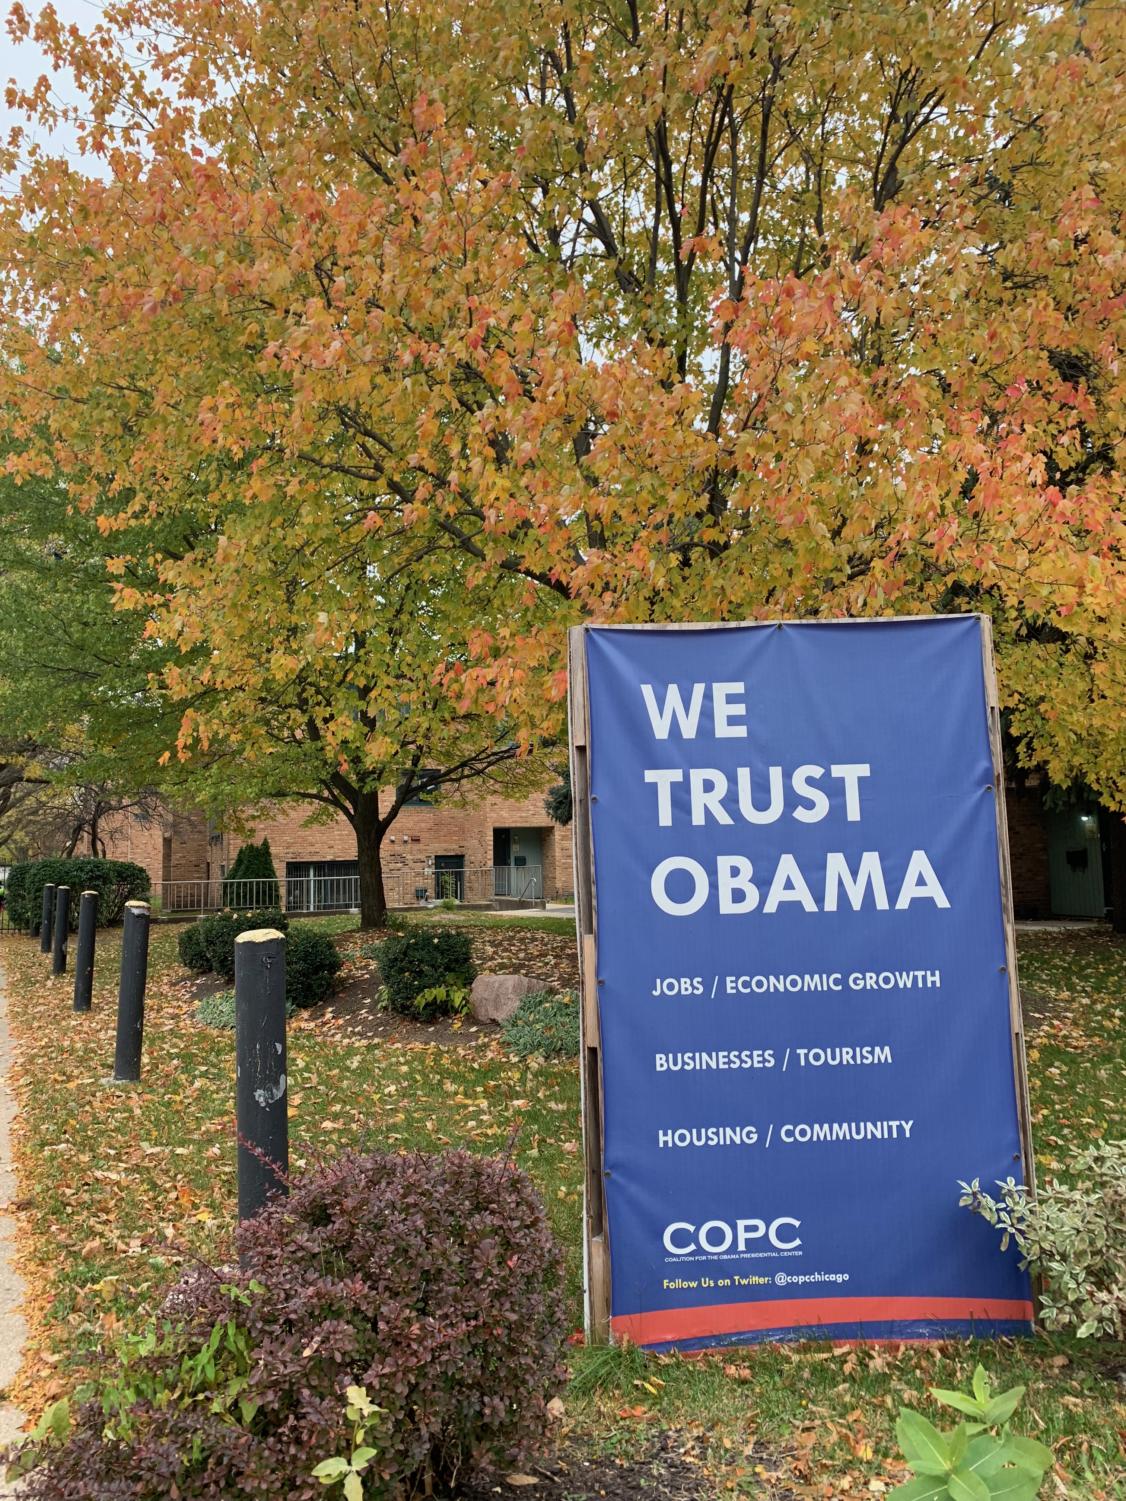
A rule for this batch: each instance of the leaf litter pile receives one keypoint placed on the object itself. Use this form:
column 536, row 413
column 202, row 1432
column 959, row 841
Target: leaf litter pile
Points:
column 120, row 1187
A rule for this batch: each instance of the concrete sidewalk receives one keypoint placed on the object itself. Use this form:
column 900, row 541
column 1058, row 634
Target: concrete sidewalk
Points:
column 560, row 910
column 13, row 1330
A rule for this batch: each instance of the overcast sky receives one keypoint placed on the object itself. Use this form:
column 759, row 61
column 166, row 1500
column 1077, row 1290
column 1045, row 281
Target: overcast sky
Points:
column 26, row 63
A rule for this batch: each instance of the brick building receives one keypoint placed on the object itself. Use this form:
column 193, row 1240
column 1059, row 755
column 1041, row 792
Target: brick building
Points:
column 480, row 850
column 503, row 848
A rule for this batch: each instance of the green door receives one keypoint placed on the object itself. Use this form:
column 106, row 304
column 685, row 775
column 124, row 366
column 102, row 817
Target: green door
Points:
column 527, row 864
column 1075, row 864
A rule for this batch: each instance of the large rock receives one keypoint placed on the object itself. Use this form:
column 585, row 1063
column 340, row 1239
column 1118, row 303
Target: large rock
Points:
column 496, row 997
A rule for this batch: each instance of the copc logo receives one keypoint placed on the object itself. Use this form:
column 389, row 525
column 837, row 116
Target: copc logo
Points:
column 717, row 1236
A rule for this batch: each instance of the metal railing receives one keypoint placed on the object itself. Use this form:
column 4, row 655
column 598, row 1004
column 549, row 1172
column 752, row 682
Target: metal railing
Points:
column 403, row 887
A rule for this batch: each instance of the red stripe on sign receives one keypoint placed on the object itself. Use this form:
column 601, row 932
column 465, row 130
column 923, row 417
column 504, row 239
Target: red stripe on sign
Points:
column 734, row 1318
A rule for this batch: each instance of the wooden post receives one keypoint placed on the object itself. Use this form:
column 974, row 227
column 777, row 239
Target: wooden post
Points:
column 1016, row 1015
column 596, row 1250
column 84, row 964
column 261, row 1101
column 62, row 930
column 46, row 918
column 131, row 995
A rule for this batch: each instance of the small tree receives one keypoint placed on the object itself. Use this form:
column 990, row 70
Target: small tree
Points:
column 558, row 803
column 303, row 702
column 252, row 880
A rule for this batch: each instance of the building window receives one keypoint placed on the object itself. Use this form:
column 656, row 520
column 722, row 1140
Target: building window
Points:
column 421, row 798
column 322, row 885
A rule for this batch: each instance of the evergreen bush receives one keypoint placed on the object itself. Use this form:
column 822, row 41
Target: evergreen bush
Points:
column 192, row 948
column 209, row 944
column 252, row 880
column 311, row 960
column 422, row 958
column 311, row 966
column 115, row 881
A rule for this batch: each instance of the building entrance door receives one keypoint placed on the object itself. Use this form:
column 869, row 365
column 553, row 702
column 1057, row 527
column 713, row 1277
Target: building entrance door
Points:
column 449, row 877
column 527, row 864
column 518, row 863
column 1075, row 863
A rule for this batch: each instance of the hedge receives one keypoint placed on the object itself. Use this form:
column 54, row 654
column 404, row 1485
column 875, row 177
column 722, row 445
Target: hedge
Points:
column 115, row 881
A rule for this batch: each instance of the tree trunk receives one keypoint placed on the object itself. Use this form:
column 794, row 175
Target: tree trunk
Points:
column 369, row 839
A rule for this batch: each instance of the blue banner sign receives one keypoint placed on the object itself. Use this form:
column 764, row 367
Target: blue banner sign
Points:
column 802, row 980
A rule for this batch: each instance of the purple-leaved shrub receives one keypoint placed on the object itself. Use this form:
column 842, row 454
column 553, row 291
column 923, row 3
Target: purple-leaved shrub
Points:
column 432, row 1281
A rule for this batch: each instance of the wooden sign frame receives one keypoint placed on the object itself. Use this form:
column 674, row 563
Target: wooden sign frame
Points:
column 596, row 1243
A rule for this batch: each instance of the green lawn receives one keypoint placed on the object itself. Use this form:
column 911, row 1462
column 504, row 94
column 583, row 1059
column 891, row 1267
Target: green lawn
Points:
column 118, row 1184
column 344, row 922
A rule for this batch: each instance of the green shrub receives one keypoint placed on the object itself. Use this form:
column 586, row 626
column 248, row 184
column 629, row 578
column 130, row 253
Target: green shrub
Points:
column 421, row 958
column 311, row 965
column 115, row 881
column 546, row 1022
column 224, row 927
column 311, row 960
column 1071, row 1237
column 218, row 935
column 209, row 944
column 437, row 1000
column 219, row 1010
column 192, row 947
column 252, row 880
column 977, row 1459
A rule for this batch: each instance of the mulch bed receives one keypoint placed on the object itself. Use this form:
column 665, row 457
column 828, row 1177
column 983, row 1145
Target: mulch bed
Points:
column 510, row 949
column 353, row 1011
column 353, row 1008
column 662, row 1473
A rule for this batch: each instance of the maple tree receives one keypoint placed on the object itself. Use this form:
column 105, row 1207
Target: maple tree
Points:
column 323, row 682
column 81, row 726
column 603, row 309
column 266, row 706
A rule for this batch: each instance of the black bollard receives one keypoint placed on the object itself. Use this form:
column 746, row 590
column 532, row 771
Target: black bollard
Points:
column 261, row 1104
column 131, row 996
column 47, row 918
column 84, row 963
column 62, row 930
